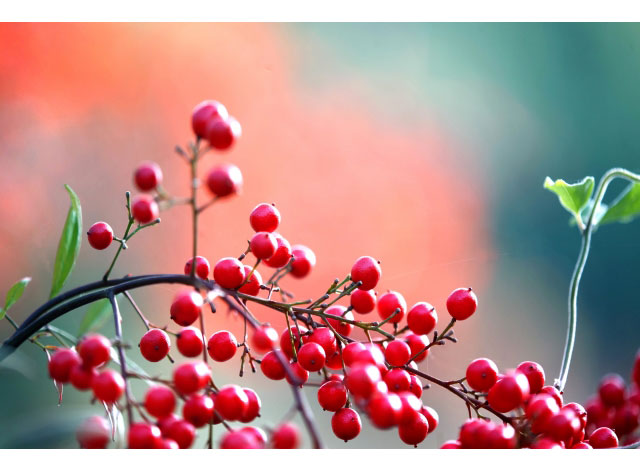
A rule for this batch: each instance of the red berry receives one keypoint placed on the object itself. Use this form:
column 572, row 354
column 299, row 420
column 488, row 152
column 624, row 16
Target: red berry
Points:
column 82, row 377
column 61, row 363
column 509, row 392
column 222, row 133
column 271, row 367
column 198, row 410
column 168, row 444
column 231, row 402
column 186, row 307
column 554, row 393
column 264, row 338
column 300, row 375
column 252, row 286
column 384, row 410
column 540, row 409
column 534, row 373
column 414, row 432
column 612, row 390
column 451, row 444
column 363, row 301
column 474, row 434
column 282, row 256
column 411, row 406
column 366, row 270
column 482, row 374
column 582, row 445
column 625, row 420
column 225, row 180
column 390, row 302
column 202, row 267
column 564, row 425
column 417, row 344
column 253, row 408
column 422, row 318
column 100, row 235
column 371, row 354
column 160, row 401
column 350, row 352
column 229, row 273
column 303, row 261
column 239, row 440
column 362, row 379
column 263, row 245
column 257, row 433
column 94, row 350
column 342, row 327
column 222, row 346
column 204, row 113
column 148, row 176
column 325, row 338
column 432, row 417
column 397, row 353
column 182, row 432
column 265, row 217
column 154, row 345
column 94, row 433
column 108, row 386
column 332, row 395
column 346, row 424
column 603, row 438
column 286, row 436
column 502, row 436
column 190, row 377
column 416, row 386
column 462, row 303
column 580, row 412
column 189, row 342
column 398, row 380
column 285, row 340
column 311, row 357
column 546, row 443
column 144, row 436
column 144, row 209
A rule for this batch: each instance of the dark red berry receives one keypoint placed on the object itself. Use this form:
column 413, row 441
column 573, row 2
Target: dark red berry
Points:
column 225, row 180
column 482, row 374
column 108, row 386
column 222, row 133
column 265, row 217
column 422, row 318
column 462, row 303
column 94, row 350
column 94, row 433
column 388, row 303
column 534, row 373
column 160, row 401
column 311, row 357
column 82, row 377
column 186, row 307
column 144, row 436
column 144, row 209
column 415, row 431
column 198, row 410
column 229, row 273
column 222, row 346
column 155, row 345
column 612, row 390
column 263, row 245
column 190, row 377
column 204, row 113
column 603, row 438
column 363, row 301
column 182, row 432
column 202, row 267
column 366, row 270
column 189, row 342
column 100, row 235
column 346, row 424
column 540, row 409
column 148, row 176
column 509, row 392
column 285, row 436
column 271, row 367
column 332, row 395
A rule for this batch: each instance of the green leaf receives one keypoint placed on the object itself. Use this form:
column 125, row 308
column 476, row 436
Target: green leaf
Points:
column 69, row 245
column 624, row 208
column 14, row 294
column 97, row 315
column 573, row 197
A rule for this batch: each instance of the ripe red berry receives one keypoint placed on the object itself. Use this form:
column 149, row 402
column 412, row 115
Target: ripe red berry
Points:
column 350, row 352
column 346, row 424
column 416, row 386
column 108, row 386
column 612, row 390
column 432, row 417
column 332, row 395
column 231, row 402
column 451, row 444
column 311, row 357
column 299, row 374
column 534, row 373
column 362, row 379
column 239, row 440
column 325, row 338
column 82, row 377
column 603, row 438
column 363, row 301
column 482, row 374
column 509, row 392
column 398, row 380
column 303, row 261
column 502, row 436
column 154, row 345
column 189, row 342
column 229, row 273
column 390, row 302
column 190, row 377
column 181, row 431
column 61, row 363
column 186, row 307
column 371, row 354
column 271, row 367
column 222, row 346
column 422, row 318
column 264, row 338
column 285, row 340
column 94, row 350
column 148, row 176
column 265, row 217
column 397, row 353
column 366, row 270
column 168, row 444
column 144, row 436
column 342, row 327
column 160, row 401
column 417, row 344
column 282, row 256
column 144, row 209
column 564, row 425
column 204, row 113
column 100, row 235
column 258, row 435
column 285, row 436
column 263, row 245
column 546, row 443
column 198, row 410
column 415, row 431
column 94, row 433
column 252, row 286
column 582, row 445
column 474, row 434
column 625, row 420
column 202, row 267
column 554, row 393
column 411, row 406
column 253, row 408
column 225, row 180
column 462, row 303
column 580, row 412
column 222, row 133
column 540, row 409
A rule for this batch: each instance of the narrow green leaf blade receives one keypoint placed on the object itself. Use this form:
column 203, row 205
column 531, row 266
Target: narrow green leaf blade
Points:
column 625, row 207
column 573, row 197
column 69, row 245
column 14, row 294
column 97, row 315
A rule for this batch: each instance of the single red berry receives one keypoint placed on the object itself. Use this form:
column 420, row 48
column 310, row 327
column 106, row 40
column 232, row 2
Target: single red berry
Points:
column 417, row 344
column 222, row 346
column 416, row 386
column 350, row 352
column 253, row 408
column 202, row 267
column 155, row 345
column 252, row 286
column 94, row 350
column 182, row 432
column 100, row 235
column 160, row 401
column 342, row 327
column 625, row 420
column 282, row 256
column 612, row 390
column 411, row 406
column 61, row 363
column 534, row 373
column 503, row 436
column 432, row 417
column 286, row 436
column 546, row 443
column 414, row 432
column 264, row 338
column 94, row 433
column 231, row 402
column 451, row 444
column 540, row 409
column 108, row 386
column 334, row 362
column 190, row 377
column 582, row 445
column 398, row 380
column 271, row 366
column 82, row 377
column 362, row 379
column 388, row 303
column 553, row 392
column 474, row 434
column 144, row 209
column 189, row 342
column 366, row 270
column 168, row 444
column 225, row 180
column 311, row 357
column 462, row 303
column 346, row 424
column 564, row 425
column 482, row 374
column 144, row 436
column 148, row 176
column 265, row 217
column 603, row 438
column 325, row 338
column 204, row 113
column 371, row 354
column 285, row 340
column 222, row 133
column 263, row 245
column 332, row 395
column 186, row 307
column 363, row 301
column 300, row 375
column 303, row 261
column 397, row 353
column 229, row 273
column 580, row 412
column 198, row 410
column 509, row 392
column 422, row 318
column 258, row 435
column 239, row 440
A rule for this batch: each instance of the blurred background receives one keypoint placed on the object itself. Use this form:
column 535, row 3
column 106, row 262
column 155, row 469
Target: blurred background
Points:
column 424, row 145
